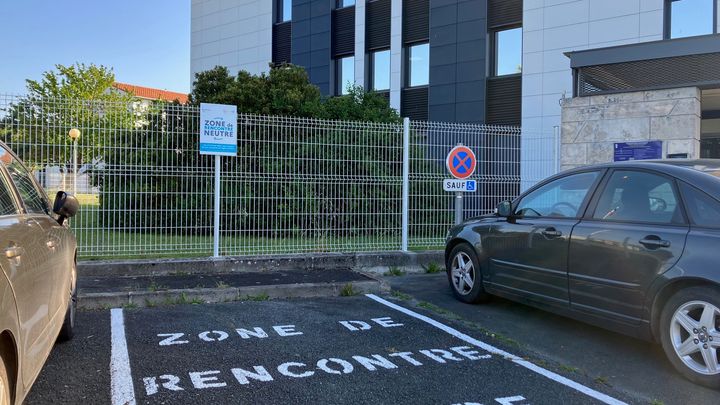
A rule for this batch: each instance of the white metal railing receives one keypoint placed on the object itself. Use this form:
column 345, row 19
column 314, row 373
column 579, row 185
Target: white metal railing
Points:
column 296, row 185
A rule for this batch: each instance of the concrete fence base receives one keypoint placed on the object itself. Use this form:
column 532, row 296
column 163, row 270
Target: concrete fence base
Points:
column 366, row 262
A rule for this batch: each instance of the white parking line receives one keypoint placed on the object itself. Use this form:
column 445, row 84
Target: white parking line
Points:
column 494, row 350
column 121, row 385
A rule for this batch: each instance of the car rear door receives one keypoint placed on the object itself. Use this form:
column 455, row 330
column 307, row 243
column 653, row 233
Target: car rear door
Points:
column 635, row 230
column 528, row 254
column 21, row 242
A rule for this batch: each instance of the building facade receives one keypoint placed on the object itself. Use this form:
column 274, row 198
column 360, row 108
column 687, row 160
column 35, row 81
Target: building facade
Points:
column 612, row 71
column 457, row 60
column 590, row 72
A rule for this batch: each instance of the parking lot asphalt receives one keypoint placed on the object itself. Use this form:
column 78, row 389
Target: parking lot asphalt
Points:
column 362, row 349
column 634, row 367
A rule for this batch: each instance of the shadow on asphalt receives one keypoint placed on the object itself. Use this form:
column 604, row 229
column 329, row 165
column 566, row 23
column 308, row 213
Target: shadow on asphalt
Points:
column 635, row 367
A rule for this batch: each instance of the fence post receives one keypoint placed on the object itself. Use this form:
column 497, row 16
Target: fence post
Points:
column 405, row 184
column 558, row 146
column 216, row 211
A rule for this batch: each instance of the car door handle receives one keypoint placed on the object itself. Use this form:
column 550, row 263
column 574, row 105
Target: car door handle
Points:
column 14, row 252
column 654, row 242
column 551, row 233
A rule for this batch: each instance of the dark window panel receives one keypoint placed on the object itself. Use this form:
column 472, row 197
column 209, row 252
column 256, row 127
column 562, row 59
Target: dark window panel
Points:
column 377, row 24
column 282, row 40
column 504, row 12
column 343, row 31
column 416, row 21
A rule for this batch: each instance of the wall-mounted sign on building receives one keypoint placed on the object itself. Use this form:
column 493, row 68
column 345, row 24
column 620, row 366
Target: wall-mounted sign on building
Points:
column 218, row 129
column 638, row 150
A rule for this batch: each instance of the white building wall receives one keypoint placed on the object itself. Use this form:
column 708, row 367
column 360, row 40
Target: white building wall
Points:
column 552, row 27
column 395, row 53
column 360, row 55
column 232, row 33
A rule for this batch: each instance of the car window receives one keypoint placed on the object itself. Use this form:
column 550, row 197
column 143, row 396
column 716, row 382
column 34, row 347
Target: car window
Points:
column 7, row 202
column 33, row 198
column 559, row 198
column 636, row 196
column 702, row 209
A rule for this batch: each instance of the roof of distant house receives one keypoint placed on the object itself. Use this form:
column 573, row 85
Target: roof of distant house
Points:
column 150, row 93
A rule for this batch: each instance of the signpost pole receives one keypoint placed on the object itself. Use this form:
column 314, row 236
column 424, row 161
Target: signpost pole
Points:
column 216, row 219
column 458, row 207
column 218, row 136
column 405, row 184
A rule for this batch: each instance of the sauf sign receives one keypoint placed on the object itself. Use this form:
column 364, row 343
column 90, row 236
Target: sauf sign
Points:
column 218, row 129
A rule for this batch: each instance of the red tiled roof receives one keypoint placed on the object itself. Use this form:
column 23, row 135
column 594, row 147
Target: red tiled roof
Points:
column 150, row 93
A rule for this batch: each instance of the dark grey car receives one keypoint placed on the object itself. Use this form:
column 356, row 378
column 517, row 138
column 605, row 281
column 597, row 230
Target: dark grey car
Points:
column 632, row 247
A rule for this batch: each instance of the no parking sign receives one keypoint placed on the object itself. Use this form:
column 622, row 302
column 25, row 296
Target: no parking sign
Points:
column 461, row 163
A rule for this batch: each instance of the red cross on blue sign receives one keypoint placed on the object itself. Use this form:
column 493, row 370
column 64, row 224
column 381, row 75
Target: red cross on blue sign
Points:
column 461, row 162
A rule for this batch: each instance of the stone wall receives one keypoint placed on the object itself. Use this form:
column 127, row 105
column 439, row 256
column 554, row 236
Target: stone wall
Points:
column 592, row 125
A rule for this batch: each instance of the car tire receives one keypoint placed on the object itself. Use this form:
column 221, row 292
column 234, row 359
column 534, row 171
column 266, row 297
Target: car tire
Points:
column 691, row 340
column 464, row 275
column 5, row 397
column 68, row 328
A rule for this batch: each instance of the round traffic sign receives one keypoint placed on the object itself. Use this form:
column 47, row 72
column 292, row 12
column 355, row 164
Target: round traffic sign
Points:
column 461, row 162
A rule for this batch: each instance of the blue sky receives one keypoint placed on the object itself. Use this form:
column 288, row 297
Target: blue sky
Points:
column 146, row 42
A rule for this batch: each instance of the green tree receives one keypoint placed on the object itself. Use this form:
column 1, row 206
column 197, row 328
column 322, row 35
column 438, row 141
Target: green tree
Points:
column 78, row 81
column 286, row 91
column 309, row 158
column 76, row 96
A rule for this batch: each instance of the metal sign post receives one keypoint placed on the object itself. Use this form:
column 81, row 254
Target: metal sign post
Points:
column 461, row 164
column 458, row 207
column 218, row 136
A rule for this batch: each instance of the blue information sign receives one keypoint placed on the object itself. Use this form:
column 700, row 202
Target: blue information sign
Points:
column 638, row 150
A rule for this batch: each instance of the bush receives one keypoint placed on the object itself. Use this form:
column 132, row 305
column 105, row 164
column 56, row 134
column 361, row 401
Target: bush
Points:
column 297, row 183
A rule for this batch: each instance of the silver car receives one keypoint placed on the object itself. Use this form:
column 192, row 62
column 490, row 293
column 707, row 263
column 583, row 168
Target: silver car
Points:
column 37, row 281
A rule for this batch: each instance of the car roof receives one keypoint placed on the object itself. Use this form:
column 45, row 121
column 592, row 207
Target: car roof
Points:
column 701, row 173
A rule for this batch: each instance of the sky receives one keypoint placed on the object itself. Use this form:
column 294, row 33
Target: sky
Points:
column 146, row 42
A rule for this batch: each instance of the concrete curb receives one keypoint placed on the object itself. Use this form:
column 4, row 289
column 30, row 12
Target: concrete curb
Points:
column 380, row 262
column 212, row 295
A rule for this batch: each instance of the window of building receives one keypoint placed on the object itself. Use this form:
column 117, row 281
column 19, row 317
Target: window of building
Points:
column 418, row 65
column 345, row 3
column 507, row 48
column 345, row 74
column 689, row 18
column 381, row 70
column 284, row 10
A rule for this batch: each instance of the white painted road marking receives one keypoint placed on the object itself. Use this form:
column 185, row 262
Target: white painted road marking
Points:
column 492, row 349
column 332, row 365
column 121, row 385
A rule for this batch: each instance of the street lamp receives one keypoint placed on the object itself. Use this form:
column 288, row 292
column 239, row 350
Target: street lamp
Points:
column 74, row 134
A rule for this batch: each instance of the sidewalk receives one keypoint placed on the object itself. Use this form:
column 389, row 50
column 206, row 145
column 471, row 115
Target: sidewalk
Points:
column 98, row 292
column 146, row 282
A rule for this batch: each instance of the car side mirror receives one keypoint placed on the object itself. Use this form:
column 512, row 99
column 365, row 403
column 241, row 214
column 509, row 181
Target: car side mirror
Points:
column 65, row 206
column 504, row 209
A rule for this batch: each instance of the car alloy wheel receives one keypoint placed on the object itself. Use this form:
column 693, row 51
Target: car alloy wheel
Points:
column 463, row 273
column 695, row 336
